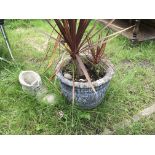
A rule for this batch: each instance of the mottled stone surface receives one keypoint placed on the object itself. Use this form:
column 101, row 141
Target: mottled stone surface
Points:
column 148, row 111
column 68, row 76
column 85, row 97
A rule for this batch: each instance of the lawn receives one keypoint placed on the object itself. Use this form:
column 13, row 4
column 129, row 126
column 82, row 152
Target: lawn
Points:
column 131, row 90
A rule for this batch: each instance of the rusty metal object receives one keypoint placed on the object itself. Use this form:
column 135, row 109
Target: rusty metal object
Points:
column 143, row 30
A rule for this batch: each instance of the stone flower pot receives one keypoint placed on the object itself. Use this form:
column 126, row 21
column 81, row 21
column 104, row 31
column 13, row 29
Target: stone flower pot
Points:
column 30, row 81
column 85, row 97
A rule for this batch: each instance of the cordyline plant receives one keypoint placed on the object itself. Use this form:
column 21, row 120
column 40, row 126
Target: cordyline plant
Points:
column 97, row 52
column 72, row 32
column 73, row 37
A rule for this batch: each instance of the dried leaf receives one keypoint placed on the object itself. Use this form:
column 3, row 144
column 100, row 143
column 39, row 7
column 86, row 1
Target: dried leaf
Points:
column 82, row 66
column 104, row 39
column 54, row 51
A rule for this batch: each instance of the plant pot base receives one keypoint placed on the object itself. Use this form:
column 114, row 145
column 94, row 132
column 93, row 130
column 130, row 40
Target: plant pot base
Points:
column 85, row 98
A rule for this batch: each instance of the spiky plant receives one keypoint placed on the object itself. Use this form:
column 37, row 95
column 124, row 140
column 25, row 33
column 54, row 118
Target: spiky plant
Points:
column 97, row 52
column 72, row 32
column 73, row 37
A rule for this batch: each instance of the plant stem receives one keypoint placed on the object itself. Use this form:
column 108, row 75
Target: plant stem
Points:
column 78, row 69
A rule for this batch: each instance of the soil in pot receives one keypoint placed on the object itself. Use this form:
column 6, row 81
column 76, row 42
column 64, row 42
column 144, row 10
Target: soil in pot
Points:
column 96, row 71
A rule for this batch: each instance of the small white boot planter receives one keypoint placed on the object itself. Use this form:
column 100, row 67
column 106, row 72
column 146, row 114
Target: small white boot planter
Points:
column 30, row 81
column 32, row 84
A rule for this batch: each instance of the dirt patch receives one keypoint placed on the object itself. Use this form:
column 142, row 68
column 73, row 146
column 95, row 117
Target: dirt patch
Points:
column 145, row 63
column 127, row 63
column 20, row 30
column 142, row 63
column 34, row 38
column 39, row 44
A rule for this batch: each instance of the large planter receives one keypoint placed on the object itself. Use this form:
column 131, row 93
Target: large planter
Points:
column 85, row 97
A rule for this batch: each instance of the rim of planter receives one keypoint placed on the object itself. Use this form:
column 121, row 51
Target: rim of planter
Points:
column 107, row 77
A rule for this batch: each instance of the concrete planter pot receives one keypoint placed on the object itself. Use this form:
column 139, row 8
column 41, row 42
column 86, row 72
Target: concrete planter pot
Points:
column 84, row 95
column 30, row 81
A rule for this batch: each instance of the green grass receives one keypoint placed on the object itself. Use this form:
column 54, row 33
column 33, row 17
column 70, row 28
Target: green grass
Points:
column 143, row 127
column 132, row 87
